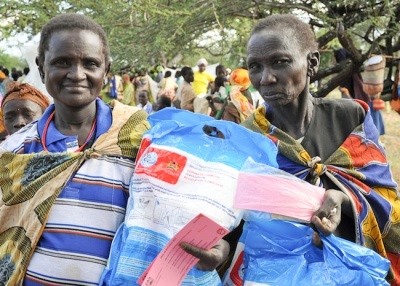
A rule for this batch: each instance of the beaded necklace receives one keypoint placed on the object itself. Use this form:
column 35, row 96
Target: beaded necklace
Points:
column 46, row 127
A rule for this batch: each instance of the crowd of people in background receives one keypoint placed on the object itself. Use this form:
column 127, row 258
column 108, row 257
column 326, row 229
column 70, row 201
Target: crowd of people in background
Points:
column 228, row 95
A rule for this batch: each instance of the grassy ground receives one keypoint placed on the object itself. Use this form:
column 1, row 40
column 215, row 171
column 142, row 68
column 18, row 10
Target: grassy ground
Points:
column 392, row 141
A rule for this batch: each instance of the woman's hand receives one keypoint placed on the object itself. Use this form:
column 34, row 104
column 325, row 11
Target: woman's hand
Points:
column 327, row 218
column 209, row 259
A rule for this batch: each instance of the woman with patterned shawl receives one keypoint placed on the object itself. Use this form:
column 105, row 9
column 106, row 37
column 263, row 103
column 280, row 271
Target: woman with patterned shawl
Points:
column 64, row 178
column 329, row 142
column 129, row 91
column 241, row 104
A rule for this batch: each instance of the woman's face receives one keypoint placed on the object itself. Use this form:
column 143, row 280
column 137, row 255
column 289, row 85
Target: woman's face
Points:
column 74, row 67
column 19, row 112
column 277, row 67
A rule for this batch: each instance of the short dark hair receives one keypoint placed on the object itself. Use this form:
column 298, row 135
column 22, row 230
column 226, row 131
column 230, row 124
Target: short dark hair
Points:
column 185, row 71
column 219, row 68
column 167, row 74
column 15, row 76
column 67, row 22
column 285, row 23
column 219, row 81
column 6, row 71
column 163, row 102
column 144, row 92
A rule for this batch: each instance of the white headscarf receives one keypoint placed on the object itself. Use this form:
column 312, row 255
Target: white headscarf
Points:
column 202, row 61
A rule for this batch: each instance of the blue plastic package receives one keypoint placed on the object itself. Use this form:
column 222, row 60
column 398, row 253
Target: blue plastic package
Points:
column 185, row 130
column 280, row 252
column 187, row 164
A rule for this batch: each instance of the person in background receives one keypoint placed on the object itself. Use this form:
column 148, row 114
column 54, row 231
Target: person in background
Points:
column 354, row 86
column 20, row 73
column 219, row 89
column 22, row 78
column 240, row 105
column 3, row 77
column 21, row 105
column 135, row 78
column 179, row 81
column 320, row 140
column 142, row 82
column 220, row 70
column 162, row 102
column 105, row 93
column 178, row 78
column 14, row 74
column 116, row 88
column 218, row 99
column 186, row 94
column 6, row 72
column 202, row 80
column 160, row 74
column 128, row 91
column 4, row 83
column 144, row 103
column 167, row 86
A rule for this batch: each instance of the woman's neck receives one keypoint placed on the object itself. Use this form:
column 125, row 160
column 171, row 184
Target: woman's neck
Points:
column 75, row 122
column 294, row 119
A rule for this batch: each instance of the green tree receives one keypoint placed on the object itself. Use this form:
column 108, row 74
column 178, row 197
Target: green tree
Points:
column 146, row 32
column 11, row 61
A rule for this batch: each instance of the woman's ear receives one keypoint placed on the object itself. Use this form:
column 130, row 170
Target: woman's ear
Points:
column 313, row 63
column 40, row 68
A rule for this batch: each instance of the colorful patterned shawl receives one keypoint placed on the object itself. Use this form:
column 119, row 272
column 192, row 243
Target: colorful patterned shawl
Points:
column 241, row 102
column 360, row 169
column 30, row 183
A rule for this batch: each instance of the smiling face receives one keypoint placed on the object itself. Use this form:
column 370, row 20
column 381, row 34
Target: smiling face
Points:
column 19, row 112
column 277, row 67
column 74, row 67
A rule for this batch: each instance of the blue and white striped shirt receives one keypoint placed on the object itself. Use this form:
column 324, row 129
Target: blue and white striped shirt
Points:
column 76, row 240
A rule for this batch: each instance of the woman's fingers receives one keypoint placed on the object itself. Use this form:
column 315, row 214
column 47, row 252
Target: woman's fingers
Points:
column 327, row 218
column 316, row 239
column 209, row 259
column 325, row 225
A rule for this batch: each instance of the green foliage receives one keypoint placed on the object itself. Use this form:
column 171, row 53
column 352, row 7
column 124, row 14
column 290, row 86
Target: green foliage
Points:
column 148, row 32
column 10, row 62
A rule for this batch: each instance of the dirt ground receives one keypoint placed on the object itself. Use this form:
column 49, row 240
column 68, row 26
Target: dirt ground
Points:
column 391, row 139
